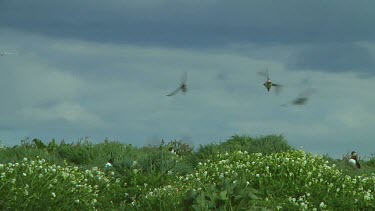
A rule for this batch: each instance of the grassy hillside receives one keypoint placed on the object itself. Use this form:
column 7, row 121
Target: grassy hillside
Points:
column 242, row 173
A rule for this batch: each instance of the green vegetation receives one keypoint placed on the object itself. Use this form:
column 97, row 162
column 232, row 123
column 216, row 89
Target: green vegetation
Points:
column 242, row 173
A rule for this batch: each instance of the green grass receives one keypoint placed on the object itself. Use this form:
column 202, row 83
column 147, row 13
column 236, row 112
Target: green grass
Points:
column 242, row 173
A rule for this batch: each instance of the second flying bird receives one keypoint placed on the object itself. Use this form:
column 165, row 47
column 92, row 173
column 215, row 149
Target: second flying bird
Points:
column 182, row 87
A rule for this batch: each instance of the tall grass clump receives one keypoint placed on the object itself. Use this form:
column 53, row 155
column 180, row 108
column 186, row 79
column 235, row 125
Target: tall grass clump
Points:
column 154, row 166
column 264, row 144
column 31, row 149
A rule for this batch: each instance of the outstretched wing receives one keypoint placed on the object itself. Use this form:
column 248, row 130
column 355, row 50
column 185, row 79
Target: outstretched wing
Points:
column 277, row 88
column 174, row 92
column 268, row 76
column 264, row 73
column 184, row 78
column 4, row 53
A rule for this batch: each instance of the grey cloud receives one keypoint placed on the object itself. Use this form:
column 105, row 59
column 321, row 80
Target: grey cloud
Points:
column 334, row 57
column 194, row 23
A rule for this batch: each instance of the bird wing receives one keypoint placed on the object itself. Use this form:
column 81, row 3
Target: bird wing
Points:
column 264, row 74
column 174, row 92
column 184, row 78
column 4, row 53
column 268, row 76
column 277, row 88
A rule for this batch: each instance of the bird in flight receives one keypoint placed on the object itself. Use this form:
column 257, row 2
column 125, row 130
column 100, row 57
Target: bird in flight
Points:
column 268, row 84
column 182, row 87
column 302, row 98
column 4, row 53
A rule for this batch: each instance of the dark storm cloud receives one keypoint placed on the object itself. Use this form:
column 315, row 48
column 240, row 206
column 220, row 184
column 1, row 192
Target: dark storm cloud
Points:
column 194, row 23
column 335, row 57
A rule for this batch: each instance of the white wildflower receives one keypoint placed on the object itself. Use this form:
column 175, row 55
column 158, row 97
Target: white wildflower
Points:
column 322, row 205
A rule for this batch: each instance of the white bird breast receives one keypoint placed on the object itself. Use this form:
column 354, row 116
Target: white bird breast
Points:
column 352, row 162
column 108, row 165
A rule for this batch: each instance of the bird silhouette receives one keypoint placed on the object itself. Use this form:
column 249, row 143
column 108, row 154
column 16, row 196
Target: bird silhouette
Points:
column 302, row 98
column 182, row 87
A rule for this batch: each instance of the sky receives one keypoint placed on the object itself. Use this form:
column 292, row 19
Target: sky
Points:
column 102, row 69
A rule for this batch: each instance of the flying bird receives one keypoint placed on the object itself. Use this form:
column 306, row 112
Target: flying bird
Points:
column 302, row 98
column 182, row 87
column 268, row 84
column 4, row 53
column 300, row 101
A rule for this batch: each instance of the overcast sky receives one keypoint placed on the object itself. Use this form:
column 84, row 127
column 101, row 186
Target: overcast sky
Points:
column 103, row 69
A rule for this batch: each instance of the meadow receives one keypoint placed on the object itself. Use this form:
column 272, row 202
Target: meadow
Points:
column 242, row 173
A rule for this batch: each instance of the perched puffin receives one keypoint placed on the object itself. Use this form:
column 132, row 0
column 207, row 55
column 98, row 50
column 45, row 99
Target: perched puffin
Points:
column 109, row 164
column 353, row 161
column 172, row 150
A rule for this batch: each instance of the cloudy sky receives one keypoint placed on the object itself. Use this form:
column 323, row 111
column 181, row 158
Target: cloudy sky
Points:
column 102, row 69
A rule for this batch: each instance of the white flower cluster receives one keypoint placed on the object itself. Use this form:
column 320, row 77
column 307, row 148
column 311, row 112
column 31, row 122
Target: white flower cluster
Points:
column 292, row 172
column 53, row 180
